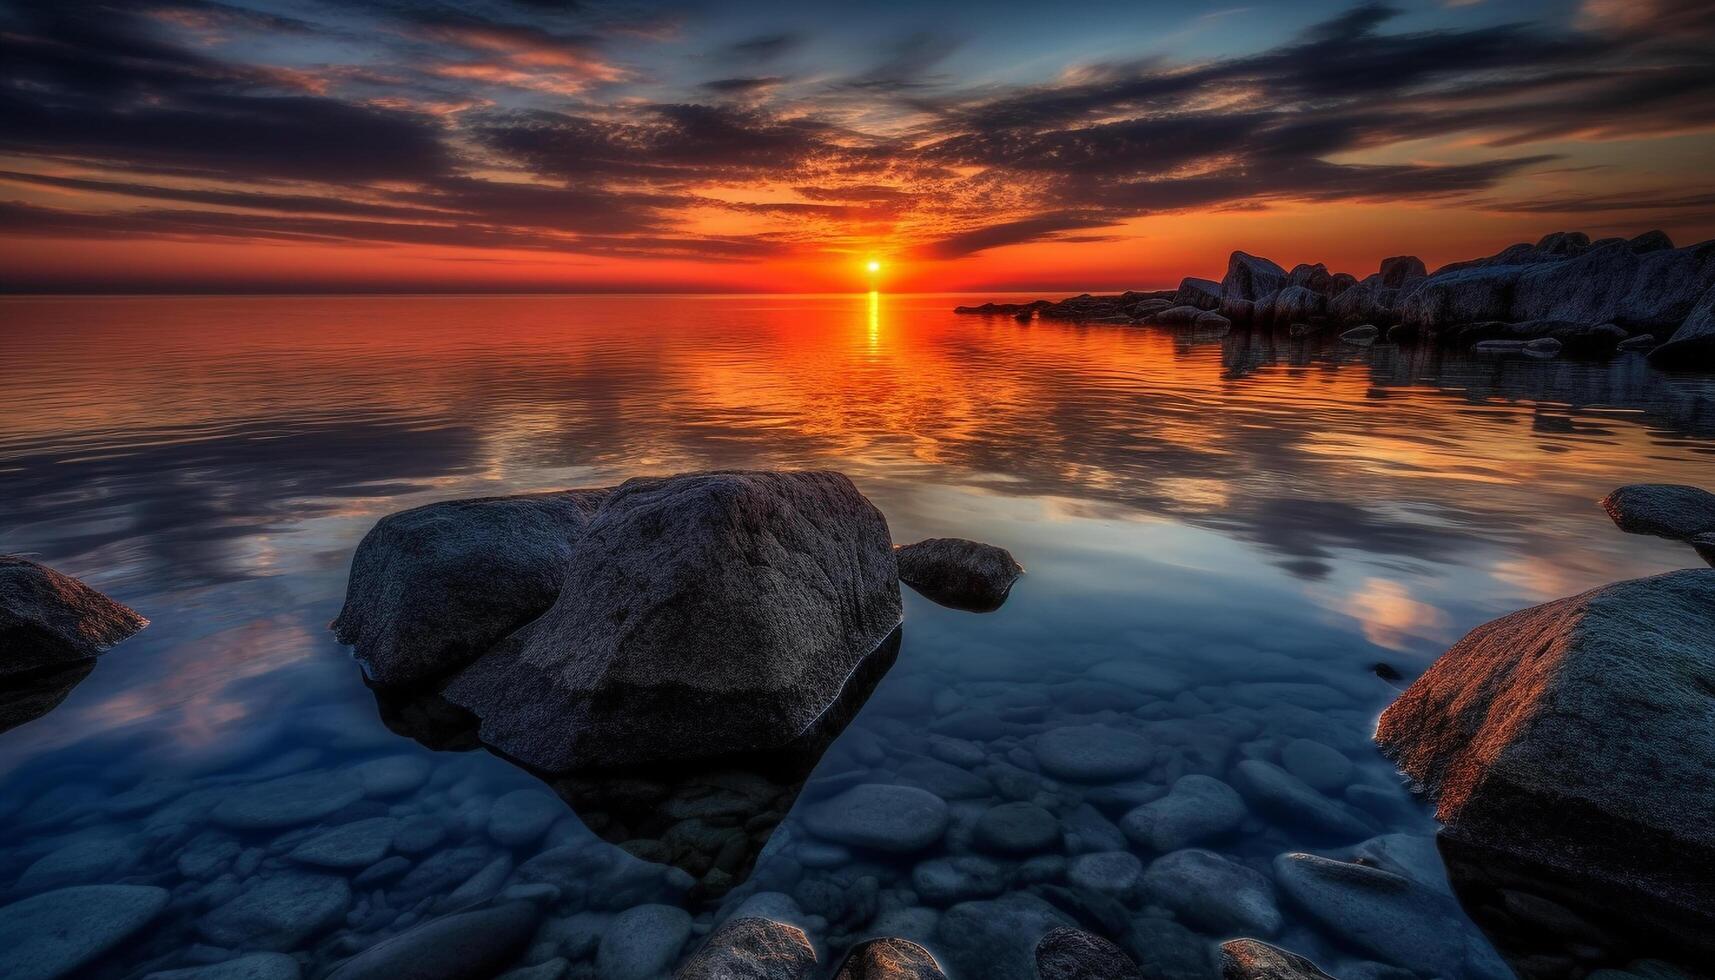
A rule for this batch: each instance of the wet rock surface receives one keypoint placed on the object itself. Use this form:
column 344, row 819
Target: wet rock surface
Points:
column 465, row 946
column 1251, row 959
column 889, row 959
column 1663, row 509
column 1071, row 954
column 54, row 934
column 751, row 948
column 50, row 622
column 959, row 573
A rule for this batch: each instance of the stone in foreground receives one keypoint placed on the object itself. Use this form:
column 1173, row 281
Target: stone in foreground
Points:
column 958, row 573
column 701, row 615
column 1251, row 959
column 434, row 587
column 889, row 959
column 1072, row 954
column 1665, row 510
column 896, row 819
column 50, row 621
column 751, row 948
column 1576, row 734
column 466, row 946
column 56, row 933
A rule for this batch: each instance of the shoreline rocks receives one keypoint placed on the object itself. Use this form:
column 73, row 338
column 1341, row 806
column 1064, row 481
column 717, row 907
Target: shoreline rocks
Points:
column 1574, row 734
column 1673, row 511
column 958, row 573
column 1592, row 298
column 50, row 621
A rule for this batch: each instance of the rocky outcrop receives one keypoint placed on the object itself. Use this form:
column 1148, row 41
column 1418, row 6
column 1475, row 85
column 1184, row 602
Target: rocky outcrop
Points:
column 1590, row 296
column 1252, row 959
column 50, row 622
column 434, row 587
column 1666, row 510
column 959, row 573
column 1575, row 735
column 699, row 616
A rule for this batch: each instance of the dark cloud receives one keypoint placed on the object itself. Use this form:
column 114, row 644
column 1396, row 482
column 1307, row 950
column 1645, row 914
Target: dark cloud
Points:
column 742, row 85
column 1007, row 233
column 763, row 48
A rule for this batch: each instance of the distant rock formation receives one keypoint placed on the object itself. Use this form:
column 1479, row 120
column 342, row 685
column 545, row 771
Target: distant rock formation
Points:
column 1592, row 297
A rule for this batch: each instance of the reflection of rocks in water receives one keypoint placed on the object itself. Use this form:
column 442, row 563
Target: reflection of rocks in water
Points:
column 1549, row 923
column 708, row 817
column 29, row 697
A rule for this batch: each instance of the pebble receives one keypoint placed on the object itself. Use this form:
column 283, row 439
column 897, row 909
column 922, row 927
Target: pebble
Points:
column 85, row 861
column 286, row 802
column 1198, row 808
column 54, row 934
column 464, row 946
column 1289, row 799
column 751, row 948
column 392, row 776
column 956, row 751
column 279, row 912
column 1093, row 753
column 996, row 940
column 898, row 819
column 419, row 835
column 1387, row 915
column 382, row 872
column 1114, row 873
column 523, row 816
column 355, row 845
column 1017, row 828
column 1211, row 893
column 946, row 880
column 641, row 943
column 1072, row 954
column 1318, row 765
column 256, row 966
column 945, row 780
column 889, row 959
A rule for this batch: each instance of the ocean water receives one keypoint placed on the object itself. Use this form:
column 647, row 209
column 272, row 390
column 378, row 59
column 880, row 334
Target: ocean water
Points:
column 1224, row 537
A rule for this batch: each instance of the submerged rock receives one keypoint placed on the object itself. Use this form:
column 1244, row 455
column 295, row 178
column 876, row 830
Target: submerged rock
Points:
column 889, row 959
column 464, row 946
column 751, row 948
column 55, row 934
column 996, row 940
column 435, row 586
column 641, row 943
column 256, row 966
column 959, row 573
column 1252, row 959
column 700, row 615
column 1576, row 734
column 50, row 621
column 1072, row 954
column 1196, row 809
column 1207, row 890
column 278, row 912
column 898, row 819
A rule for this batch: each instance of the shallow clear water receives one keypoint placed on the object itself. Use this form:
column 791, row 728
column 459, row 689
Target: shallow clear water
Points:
column 1222, row 537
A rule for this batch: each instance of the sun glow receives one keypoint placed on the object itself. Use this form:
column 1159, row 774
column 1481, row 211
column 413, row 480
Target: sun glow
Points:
column 873, row 265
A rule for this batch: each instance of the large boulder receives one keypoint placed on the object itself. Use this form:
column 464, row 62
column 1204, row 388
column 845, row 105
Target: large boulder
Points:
column 1587, row 289
column 1463, row 296
column 959, row 573
column 1693, row 344
column 434, row 587
column 751, row 948
column 1296, row 304
column 700, row 615
column 1401, row 269
column 1072, row 954
column 1576, row 735
column 1251, row 277
column 1204, row 294
column 50, row 621
column 1667, row 286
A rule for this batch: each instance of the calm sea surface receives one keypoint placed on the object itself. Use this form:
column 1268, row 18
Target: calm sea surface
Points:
column 1223, row 536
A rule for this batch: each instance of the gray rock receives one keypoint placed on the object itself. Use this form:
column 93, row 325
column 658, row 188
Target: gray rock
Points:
column 1498, row 347
column 889, row 959
column 1693, row 344
column 1017, row 828
column 1641, row 342
column 1166, row 949
column 1212, row 322
column 898, row 819
column 961, row 878
column 751, row 948
column 1072, row 954
column 701, row 615
column 1106, row 872
column 1321, row 767
column 996, row 940
column 50, row 621
column 381, row 872
column 642, row 942
column 1177, row 316
column 354, row 845
column 1663, row 509
column 1575, row 734
column 392, row 776
column 1198, row 808
column 1387, row 916
column 286, row 802
column 1210, row 892
column 1543, row 347
column 552, row 969
column 256, row 966
column 958, row 573
column 947, row 781
column 1289, row 799
column 436, row 586
column 1296, row 304
column 1362, row 336
column 85, row 861
column 1093, row 753
column 1251, row 278
column 278, row 912
column 55, row 933
column 1205, row 294
column 523, row 816
column 1251, row 959
column 466, row 946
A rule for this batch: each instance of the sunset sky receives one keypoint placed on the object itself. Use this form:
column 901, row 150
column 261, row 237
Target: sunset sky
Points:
column 525, row 144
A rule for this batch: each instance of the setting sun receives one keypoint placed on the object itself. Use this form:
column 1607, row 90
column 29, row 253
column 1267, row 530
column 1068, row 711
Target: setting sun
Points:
column 873, row 265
